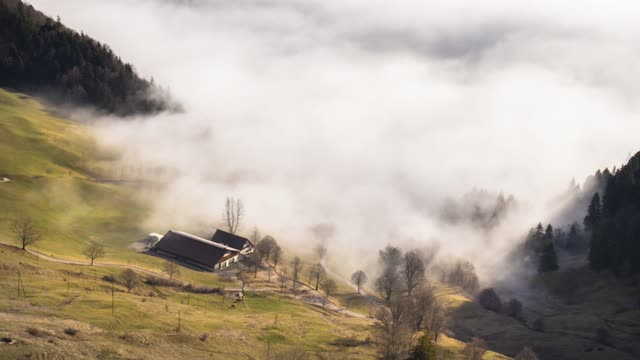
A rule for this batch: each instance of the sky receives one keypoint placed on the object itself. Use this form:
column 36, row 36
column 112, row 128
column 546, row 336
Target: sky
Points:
column 367, row 114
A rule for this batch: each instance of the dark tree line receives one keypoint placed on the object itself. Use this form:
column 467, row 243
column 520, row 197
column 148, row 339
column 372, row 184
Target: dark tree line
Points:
column 611, row 231
column 40, row 54
column 540, row 247
column 614, row 222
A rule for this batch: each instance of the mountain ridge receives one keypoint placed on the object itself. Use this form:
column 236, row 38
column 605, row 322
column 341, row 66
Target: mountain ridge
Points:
column 40, row 55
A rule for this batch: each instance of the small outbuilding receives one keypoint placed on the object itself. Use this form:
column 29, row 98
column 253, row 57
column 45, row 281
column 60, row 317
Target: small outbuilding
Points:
column 239, row 243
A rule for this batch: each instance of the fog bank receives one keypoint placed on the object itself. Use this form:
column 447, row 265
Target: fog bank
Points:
column 366, row 115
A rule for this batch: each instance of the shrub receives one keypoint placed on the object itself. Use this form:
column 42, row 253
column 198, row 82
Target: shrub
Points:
column 109, row 278
column 348, row 342
column 130, row 279
column 462, row 274
column 202, row 289
column 490, row 300
column 158, row 281
column 204, row 337
column 425, row 349
column 515, row 309
column 71, row 331
column 34, row 332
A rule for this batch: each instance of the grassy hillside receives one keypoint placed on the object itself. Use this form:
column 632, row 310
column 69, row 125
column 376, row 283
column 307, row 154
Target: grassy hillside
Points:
column 145, row 327
column 54, row 167
column 53, row 164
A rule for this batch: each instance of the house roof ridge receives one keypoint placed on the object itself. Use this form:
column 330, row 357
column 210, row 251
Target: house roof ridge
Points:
column 208, row 242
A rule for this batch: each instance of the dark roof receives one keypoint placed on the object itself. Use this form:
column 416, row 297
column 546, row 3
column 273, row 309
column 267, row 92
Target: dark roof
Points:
column 231, row 240
column 193, row 248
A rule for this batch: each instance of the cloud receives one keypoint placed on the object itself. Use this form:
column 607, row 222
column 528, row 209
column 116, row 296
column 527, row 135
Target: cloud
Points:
column 367, row 114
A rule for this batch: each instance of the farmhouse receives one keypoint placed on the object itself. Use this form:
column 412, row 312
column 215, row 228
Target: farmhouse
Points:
column 243, row 245
column 196, row 251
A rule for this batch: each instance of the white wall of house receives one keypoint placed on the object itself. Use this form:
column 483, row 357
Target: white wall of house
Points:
column 228, row 262
column 248, row 249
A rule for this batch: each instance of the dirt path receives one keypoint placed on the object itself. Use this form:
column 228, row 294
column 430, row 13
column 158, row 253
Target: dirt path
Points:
column 82, row 263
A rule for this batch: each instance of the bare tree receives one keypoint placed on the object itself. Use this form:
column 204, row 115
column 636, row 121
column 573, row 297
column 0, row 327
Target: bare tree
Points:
column 329, row 286
column 94, row 250
column 429, row 254
column 463, row 274
column 170, row 268
column 321, row 252
column 310, row 281
column 255, row 236
column 412, row 270
column 24, row 231
column 475, row 349
column 129, row 279
column 276, row 256
column 322, row 232
column 387, row 283
column 391, row 257
column 282, row 278
column 359, row 278
column 423, row 301
column 395, row 337
column 233, row 214
column 265, row 247
column 318, row 273
column 437, row 320
column 296, row 270
column 254, row 261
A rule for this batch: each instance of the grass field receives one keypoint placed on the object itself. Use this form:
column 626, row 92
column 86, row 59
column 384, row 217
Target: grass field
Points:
column 145, row 325
column 53, row 165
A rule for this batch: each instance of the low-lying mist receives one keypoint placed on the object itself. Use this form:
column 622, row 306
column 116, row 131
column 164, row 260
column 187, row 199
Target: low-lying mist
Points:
column 366, row 117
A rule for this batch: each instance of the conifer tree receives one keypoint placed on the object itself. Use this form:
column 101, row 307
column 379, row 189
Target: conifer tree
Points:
column 573, row 240
column 535, row 239
column 594, row 213
column 548, row 260
column 538, row 231
column 548, row 233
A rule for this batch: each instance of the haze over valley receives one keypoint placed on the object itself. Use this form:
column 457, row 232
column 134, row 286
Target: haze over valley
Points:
column 473, row 160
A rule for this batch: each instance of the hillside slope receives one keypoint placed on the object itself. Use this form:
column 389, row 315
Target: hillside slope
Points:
column 52, row 165
column 156, row 322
